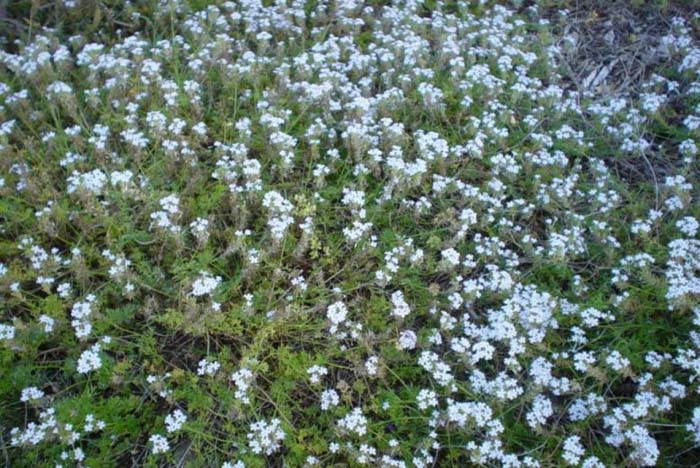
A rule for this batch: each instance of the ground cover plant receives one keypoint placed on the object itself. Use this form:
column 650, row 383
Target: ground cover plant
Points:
column 313, row 233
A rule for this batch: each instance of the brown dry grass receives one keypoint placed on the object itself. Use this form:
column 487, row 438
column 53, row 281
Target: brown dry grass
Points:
column 617, row 49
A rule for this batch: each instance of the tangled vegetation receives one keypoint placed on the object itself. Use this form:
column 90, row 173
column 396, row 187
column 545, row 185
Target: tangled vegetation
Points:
column 318, row 233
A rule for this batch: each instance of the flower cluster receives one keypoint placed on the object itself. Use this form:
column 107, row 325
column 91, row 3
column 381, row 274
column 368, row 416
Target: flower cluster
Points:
column 265, row 437
column 205, row 284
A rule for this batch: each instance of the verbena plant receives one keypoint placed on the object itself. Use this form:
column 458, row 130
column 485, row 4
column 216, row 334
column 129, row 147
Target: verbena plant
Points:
column 342, row 234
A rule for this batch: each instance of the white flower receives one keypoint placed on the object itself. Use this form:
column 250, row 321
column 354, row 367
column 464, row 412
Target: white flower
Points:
column 206, row 367
column 170, row 204
column 573, row 450
column 541, row 410
column 440, row 370
column 280, row 210
column 646, row 451
column 78, row 454
column 205, row 284
column 58, row 88
column 265, row 437
column 336, row 313
column 200, row 229
column 81, row 313
column 617, row 361
column 694, row 426
column 316, row 373
column 242, row 378
column 426, row 399
column 174, row 421
column 450, row 256
column 371, row 365
column 160, row 444
column 167, row 216
column 92, row 425
column 120, row 179
column 355, row 422
column 407, row 340
column 7, row 332
column 238, row 464
column 463, row 412
column 93, row 182
column 592, row 462
column 329, row 399
column 90, row 360
column 688, row 226
column 64, row 290
column 400, row 308
column 353, row 198
column 31, row 394
column 200, row 129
